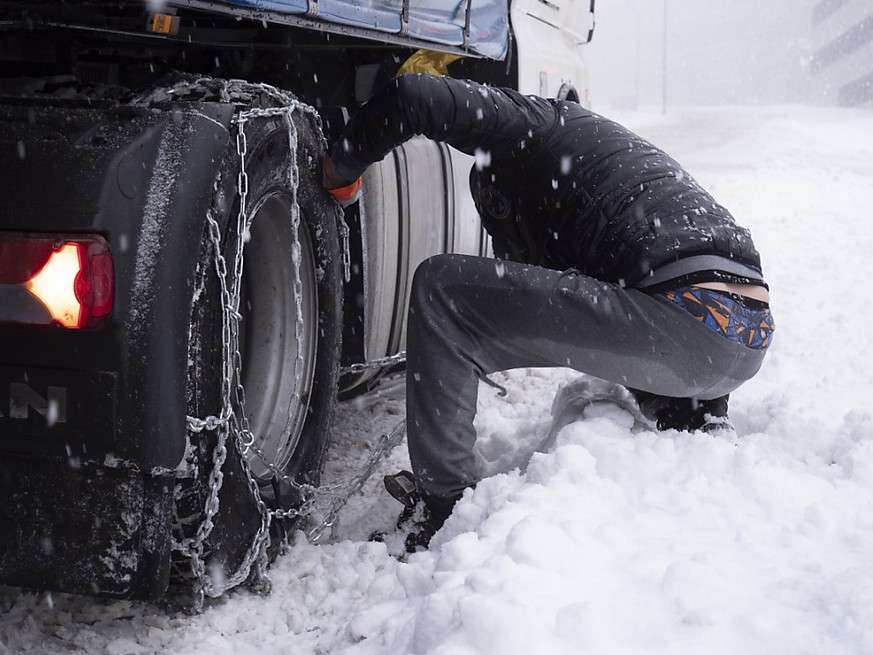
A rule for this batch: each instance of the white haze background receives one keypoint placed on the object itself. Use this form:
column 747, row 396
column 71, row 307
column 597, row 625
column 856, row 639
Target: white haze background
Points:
column 725, row 53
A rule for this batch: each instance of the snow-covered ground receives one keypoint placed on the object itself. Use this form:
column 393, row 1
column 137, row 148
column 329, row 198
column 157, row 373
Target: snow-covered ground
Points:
column 615, row 541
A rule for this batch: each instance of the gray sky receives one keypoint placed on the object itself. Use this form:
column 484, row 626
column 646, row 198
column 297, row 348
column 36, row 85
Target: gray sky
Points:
column 718, row 52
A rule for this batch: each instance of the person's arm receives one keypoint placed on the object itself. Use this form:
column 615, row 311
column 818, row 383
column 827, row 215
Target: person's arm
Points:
column 464, row 114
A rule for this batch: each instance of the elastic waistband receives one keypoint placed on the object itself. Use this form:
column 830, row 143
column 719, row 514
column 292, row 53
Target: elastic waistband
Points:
column 689, row 265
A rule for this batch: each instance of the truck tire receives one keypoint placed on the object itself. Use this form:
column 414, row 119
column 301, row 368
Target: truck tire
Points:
column 289, row 345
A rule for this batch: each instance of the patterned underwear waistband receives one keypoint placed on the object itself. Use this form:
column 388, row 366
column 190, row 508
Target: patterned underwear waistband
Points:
column 727, row 314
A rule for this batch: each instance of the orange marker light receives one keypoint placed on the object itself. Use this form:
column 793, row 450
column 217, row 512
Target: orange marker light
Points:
column 164, row 24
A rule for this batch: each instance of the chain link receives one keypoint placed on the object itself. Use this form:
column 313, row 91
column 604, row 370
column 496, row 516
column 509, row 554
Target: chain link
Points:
column 382, row 362
column 233, row 425
column 387, row 443
column 209, row 423
column 347, row 251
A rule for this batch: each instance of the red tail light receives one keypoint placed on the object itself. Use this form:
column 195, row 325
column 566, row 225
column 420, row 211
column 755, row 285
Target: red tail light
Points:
column 53, row 279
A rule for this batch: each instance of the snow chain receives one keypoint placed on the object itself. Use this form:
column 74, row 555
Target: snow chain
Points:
column 232, row 424
column 384, row 362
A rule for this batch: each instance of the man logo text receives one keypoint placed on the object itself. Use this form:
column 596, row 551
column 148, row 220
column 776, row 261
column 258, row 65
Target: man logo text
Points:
column 23, row 400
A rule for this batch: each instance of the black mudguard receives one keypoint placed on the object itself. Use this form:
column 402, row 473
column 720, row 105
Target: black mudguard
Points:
column 86, row 502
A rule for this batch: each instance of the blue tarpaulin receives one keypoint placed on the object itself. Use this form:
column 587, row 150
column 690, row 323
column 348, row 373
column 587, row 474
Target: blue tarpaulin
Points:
column 441, row 22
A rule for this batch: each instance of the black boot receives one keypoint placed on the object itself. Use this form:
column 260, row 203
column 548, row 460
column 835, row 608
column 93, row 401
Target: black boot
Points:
column 689, row 414
column 684, row 414
column 422, row 516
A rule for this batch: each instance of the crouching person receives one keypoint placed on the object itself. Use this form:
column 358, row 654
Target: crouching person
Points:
column 612, row 260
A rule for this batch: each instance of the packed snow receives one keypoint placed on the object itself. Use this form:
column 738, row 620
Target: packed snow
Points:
column 615, row 539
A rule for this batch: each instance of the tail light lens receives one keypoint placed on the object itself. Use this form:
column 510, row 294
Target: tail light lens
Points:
column 54, row 279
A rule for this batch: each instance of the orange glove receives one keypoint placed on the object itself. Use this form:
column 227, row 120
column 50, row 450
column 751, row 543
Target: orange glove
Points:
column 349, row 194
column 346, row 194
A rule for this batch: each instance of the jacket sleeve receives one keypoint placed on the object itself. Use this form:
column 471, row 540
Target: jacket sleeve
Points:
column 464, row 114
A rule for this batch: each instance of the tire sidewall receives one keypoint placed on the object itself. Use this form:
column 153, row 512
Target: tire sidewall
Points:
column 270, row 168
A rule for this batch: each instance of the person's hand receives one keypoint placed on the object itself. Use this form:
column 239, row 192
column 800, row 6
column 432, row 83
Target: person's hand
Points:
column 329, row 177
column 345, row 192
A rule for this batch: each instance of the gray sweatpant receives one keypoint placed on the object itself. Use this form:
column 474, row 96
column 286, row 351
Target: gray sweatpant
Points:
column 471, row 316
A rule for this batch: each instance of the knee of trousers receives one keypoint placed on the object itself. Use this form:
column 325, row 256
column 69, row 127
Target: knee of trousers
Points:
column 431, row 278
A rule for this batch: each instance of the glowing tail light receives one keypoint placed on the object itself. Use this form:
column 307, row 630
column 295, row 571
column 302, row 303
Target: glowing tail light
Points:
column 60, row 280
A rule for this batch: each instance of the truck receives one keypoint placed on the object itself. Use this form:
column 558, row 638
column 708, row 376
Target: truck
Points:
column 181, row 303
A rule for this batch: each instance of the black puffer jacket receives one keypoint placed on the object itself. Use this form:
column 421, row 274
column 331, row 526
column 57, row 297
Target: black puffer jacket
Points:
column 560, row 186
